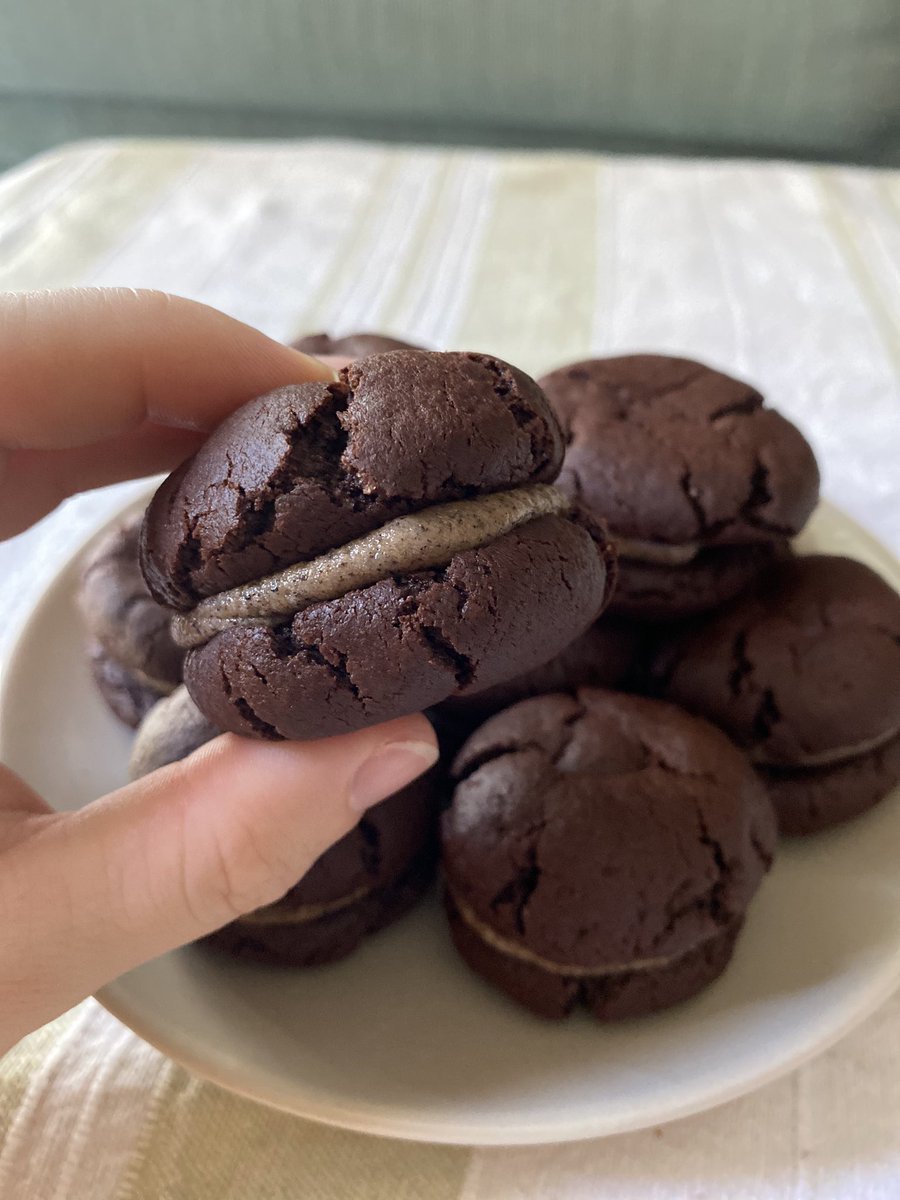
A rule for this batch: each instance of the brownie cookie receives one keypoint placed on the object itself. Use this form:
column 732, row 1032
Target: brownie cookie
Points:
column 700, row 483
column 132, row 656
column 341, row 554
column 368, row 879
column 601, row 850
column 804, row 673
column 606, row 655
column 352, row 345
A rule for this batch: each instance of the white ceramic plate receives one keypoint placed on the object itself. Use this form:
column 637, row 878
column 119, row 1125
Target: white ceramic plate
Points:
column 402, row 1040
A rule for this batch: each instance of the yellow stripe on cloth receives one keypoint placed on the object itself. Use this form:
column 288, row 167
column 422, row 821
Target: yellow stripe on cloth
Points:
column 207, row 1144
column 535, row 280
column 57, row 246
column 20, row 1064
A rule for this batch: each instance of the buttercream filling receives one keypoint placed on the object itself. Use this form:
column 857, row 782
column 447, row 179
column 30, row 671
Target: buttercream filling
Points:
column 281, row 914
column 827, row 758
column 664, row 554
column 512, row 949
column 419, row 541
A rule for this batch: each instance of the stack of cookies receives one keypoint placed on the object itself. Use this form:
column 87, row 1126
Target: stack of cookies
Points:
column 590, row 584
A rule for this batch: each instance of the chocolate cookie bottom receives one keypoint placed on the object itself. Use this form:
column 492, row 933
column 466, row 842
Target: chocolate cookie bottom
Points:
column 610, row 997
column 128, row 696
column 810, row 799
column 333, row 935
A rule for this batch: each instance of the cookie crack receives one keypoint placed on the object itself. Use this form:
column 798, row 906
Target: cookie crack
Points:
column 759, row 496
column 716, row 895
column 742, row 668
column 190, row 555
column 315, row 454
column 763, row 853
column 285, row 646
column 334, row 662
column 654, row 759
column 766, row 717
column 442, row 649
column 739, row 408
column 242, row 705
column 370, row 850
column 712, row 901
column 315, row 451
column 705, row 528
column 569, row 724
column 492, row 754
column 517, row 892
column 530, row 422
column 626, row 397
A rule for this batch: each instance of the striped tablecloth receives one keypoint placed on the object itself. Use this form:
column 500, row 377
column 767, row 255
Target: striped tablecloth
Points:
column 788, row 275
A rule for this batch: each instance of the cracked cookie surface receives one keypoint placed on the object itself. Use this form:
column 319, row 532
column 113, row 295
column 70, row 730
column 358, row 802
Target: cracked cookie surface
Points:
column 606, row 836
column 804, row 672
column 678, row 457
column 306, row 470
column 805, row 666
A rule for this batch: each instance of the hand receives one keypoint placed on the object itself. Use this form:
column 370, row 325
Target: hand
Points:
column 98, row 386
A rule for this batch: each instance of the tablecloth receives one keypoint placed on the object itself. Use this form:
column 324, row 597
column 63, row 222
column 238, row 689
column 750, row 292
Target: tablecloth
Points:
column 787, row 275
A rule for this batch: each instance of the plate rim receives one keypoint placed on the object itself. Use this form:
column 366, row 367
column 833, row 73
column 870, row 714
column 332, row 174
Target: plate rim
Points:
column 398, row 1125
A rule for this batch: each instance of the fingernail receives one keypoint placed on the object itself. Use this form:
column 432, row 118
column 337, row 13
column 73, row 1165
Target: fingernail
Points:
column 388, row 770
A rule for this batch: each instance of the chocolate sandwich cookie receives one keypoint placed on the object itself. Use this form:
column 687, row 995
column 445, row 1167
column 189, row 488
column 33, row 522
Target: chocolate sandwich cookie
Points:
column 700, row 483
column 341, row 554
column 607, row 655
column 352, row 345
column 364, row 882
column 804, row 673
column 130, row 649
column 601, row 850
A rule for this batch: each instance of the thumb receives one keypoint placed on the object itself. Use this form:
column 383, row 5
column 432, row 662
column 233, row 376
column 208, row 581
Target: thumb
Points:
column 88, row 895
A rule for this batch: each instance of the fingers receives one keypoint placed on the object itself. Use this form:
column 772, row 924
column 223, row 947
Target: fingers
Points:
column 85, row 364
column 105, row 366
column 182, row 852
column 35, row 481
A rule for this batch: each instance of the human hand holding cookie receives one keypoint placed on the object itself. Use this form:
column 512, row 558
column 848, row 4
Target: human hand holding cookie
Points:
column 99, row 386
column 343, row 547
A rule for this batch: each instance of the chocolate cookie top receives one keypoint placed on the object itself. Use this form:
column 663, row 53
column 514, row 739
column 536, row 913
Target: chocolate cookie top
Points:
column 605, row 829
column 670, row 451
column 120, row 613
column 802, row 671
column 307, row 468
column 352, row 345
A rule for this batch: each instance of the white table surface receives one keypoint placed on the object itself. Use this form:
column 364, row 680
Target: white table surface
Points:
column 788, row 275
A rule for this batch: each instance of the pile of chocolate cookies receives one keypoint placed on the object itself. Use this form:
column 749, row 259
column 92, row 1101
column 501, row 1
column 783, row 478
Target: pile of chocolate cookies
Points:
column 587, row 582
